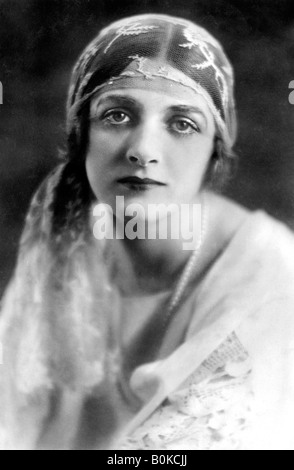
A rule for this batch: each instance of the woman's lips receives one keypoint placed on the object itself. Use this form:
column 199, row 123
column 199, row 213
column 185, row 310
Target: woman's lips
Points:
column 134, row 182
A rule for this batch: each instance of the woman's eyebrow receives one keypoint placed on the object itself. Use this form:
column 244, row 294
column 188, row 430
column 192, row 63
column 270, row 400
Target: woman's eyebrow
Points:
column 119, row 100
column 188, row 109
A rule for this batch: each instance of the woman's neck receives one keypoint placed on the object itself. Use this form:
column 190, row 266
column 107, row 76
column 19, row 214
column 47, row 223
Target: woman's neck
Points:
column 153, row 263
column 147, row 266
column 143, row 267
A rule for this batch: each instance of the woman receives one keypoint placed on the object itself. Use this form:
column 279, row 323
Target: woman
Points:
column 137, row 342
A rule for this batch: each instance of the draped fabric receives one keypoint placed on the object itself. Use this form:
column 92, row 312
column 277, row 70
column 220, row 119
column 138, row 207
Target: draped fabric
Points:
column 54, row 317
column 230, row 385
column 227, row 384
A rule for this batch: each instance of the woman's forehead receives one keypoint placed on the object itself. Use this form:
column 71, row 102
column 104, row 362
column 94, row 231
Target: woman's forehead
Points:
column 158, row 77
column 142, row 95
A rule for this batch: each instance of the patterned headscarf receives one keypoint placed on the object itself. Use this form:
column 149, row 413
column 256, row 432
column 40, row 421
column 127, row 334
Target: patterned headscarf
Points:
column 161, row 47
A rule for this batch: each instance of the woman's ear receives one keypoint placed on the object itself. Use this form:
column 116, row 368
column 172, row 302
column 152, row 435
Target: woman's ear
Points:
column 219, row 166
column 214, row 163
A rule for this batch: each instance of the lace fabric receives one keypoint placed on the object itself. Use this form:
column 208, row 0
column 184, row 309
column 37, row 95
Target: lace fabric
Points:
column 210, row 411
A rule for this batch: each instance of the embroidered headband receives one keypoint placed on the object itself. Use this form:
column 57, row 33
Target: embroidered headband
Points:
column 161, row 47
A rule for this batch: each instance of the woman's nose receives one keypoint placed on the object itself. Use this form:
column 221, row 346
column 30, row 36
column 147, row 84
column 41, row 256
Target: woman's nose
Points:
column 138, row 159
column 144, row 148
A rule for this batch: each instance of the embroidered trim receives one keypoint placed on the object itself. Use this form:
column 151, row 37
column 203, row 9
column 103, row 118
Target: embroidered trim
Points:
column 162, row 72
column 211, row 411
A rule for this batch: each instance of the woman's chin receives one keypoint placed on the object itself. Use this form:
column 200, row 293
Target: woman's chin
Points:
column 145, row 211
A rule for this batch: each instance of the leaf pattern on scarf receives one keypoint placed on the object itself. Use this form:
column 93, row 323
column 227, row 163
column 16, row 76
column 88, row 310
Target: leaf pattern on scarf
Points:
column 134, row 29
column 197, row 40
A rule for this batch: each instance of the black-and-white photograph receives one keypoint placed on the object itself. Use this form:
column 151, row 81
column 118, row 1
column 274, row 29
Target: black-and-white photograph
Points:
column 147, row 227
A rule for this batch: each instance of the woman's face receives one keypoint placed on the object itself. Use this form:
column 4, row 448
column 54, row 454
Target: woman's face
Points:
column 155, row 134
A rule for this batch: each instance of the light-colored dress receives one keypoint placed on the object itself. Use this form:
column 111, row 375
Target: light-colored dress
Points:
column 222, row 377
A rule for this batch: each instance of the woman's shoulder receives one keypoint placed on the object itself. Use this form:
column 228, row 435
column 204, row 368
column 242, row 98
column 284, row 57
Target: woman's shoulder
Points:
column 254, row 271
column 256, row 253
column 225, row 215
column 231, row 219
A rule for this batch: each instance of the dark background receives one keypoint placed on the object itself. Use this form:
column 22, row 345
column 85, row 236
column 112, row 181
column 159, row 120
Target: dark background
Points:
column 39, row 43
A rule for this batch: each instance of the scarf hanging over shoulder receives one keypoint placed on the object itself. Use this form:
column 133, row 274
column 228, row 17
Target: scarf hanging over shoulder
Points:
column 54, row 316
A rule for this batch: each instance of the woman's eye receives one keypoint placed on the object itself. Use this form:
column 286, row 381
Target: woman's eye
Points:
column 117, row 117
column 184, row 126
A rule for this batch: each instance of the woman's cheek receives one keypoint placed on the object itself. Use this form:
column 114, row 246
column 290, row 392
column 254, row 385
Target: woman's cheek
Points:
column 101, row 149
column 192, row 162
column 101, row 134
column 93, row 172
